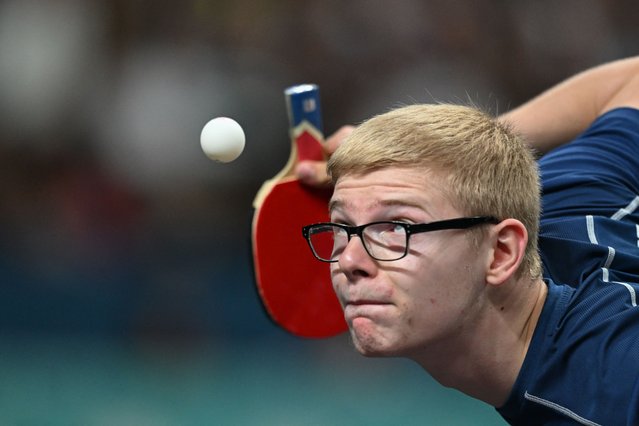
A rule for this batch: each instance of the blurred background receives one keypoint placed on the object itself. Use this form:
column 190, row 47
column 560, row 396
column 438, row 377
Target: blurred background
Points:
column 126, row 291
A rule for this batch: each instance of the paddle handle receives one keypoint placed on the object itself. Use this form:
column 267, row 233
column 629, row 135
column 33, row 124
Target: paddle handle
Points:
column 305, row 121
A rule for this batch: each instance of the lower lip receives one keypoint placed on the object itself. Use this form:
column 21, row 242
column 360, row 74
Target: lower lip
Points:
column 364, row 309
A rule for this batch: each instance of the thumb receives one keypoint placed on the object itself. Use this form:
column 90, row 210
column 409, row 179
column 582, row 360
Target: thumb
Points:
column 312, row 173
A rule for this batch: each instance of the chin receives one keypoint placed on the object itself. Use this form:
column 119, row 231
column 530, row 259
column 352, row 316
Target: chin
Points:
column 376, row 352
column 374, row 346
column 373, row 353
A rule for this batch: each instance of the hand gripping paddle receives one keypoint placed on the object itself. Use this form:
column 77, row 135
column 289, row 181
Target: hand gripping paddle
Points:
column 294, row 286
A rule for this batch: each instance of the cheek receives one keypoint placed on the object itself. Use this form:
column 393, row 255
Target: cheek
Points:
column 426, row 296
column 339, row 283
column 385, row 292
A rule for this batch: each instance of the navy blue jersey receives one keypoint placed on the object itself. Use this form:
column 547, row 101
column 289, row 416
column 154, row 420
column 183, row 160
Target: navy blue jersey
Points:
column 582, row 366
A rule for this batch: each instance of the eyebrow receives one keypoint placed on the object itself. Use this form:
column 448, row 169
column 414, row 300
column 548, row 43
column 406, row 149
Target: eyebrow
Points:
column 338, row 204
column 335, row 204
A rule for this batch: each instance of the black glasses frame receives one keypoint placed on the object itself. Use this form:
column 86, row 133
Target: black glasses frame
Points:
column 410, row 229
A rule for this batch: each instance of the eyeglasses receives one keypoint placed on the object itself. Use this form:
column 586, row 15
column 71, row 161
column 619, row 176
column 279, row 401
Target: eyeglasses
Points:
column 384, row 241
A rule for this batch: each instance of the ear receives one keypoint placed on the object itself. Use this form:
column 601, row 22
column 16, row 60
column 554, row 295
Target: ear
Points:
column 509, row 246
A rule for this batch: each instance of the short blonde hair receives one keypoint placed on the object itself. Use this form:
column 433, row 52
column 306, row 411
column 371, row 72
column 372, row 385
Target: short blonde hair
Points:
column 488, row 170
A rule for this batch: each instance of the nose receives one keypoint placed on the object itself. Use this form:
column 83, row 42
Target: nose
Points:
column 354, row 260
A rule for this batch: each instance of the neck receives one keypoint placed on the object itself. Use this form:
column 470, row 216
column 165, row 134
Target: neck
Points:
column 484, row 360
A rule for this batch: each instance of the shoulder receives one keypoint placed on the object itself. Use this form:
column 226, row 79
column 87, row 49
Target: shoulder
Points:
column 620, row 81
column 624, row 117
column 598, row 172
column 582, row 363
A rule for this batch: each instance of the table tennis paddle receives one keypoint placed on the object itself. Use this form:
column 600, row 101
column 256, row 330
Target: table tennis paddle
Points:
column 294, row 287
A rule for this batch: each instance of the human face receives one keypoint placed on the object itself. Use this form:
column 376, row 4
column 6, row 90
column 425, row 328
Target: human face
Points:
column 429, row 297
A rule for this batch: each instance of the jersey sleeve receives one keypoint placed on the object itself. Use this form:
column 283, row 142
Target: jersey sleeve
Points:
column 597, row 173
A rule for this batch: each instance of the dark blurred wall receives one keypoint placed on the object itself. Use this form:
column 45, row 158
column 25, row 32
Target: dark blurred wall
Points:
column 112, row 220
column 114, row 227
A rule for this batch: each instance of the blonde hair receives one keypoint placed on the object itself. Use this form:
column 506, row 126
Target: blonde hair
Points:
column 487, row 169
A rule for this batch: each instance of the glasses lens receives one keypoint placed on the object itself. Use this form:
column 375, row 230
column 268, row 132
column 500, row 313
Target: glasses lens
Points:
column 385, row 241
column 328, row 241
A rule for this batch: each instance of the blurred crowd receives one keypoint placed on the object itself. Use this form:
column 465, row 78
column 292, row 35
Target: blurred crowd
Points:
column 113, row 222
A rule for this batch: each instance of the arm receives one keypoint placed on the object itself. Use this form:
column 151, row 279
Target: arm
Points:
column 562, row 112
column 554, row 117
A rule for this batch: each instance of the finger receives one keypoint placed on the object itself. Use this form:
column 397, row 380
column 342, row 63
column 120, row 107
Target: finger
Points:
column 336, row 139
column 312, row 173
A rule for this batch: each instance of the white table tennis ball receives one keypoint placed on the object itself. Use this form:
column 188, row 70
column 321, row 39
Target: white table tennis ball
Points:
column 222, row 139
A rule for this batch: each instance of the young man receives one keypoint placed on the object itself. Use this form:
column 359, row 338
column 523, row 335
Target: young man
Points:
column 434, row 251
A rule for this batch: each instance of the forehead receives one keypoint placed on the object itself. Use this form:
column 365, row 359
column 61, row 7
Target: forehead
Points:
column 389, row 187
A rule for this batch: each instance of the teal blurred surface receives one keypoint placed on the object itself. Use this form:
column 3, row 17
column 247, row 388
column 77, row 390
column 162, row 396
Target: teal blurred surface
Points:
column 262, row 381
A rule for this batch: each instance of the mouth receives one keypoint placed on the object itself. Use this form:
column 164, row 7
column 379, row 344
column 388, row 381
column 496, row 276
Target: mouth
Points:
column 364, row 308
column 366, row 302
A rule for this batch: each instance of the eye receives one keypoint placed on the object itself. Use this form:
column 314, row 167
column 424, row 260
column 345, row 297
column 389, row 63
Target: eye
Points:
column 394, row 228
column 389, row 229
column 384, row 237
column 337, row 220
